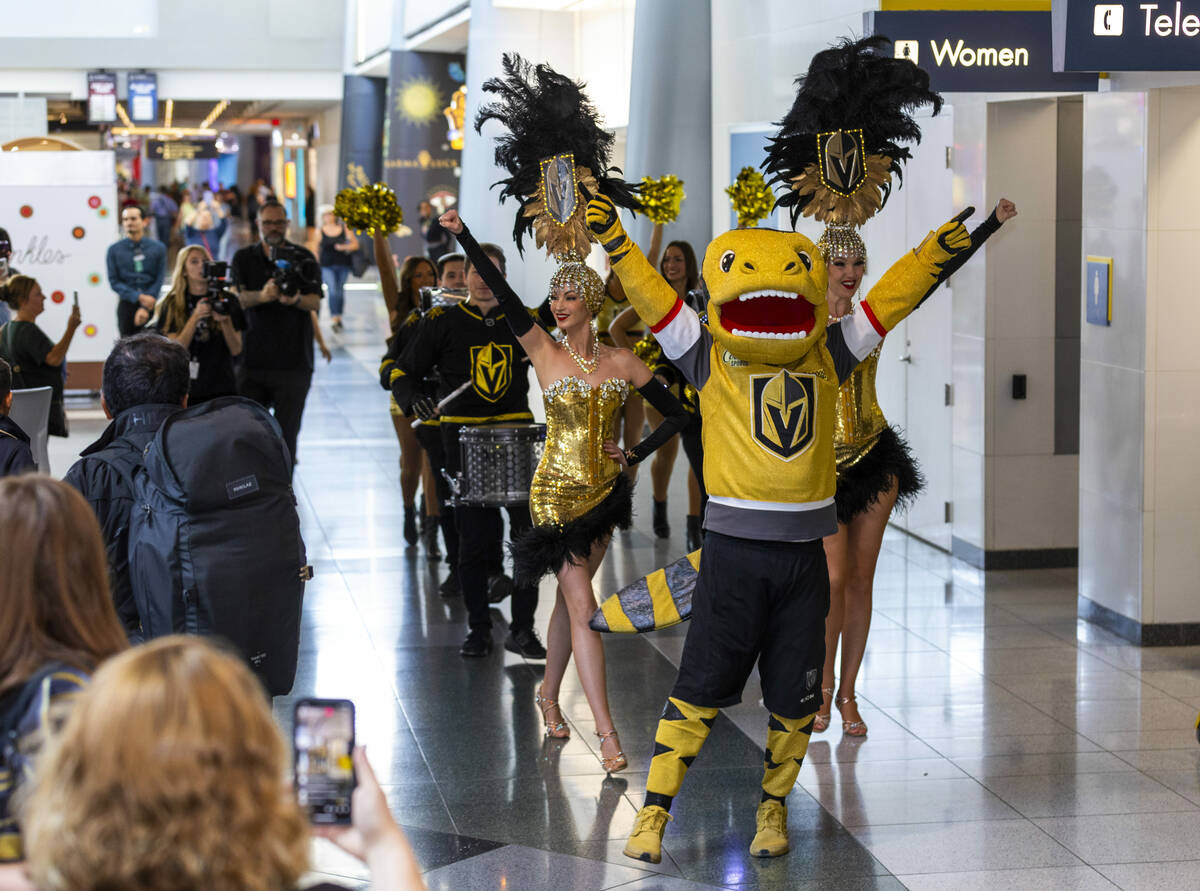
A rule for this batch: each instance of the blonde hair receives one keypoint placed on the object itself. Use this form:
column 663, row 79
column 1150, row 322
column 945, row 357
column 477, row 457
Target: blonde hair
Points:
column 168, row 776
column 17, row 289
column 54, row 600
column 172, row 313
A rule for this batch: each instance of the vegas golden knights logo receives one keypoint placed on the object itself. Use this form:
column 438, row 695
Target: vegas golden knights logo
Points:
column 785, row 406
column 842, row 163
column 491, row 370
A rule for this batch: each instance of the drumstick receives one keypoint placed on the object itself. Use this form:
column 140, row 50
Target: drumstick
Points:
column 442, row 404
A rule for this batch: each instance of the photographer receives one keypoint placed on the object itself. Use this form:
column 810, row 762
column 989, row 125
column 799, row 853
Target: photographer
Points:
column 207, row 320
column 279, row 285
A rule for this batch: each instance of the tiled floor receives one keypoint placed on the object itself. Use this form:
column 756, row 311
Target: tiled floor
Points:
column 1010, row 745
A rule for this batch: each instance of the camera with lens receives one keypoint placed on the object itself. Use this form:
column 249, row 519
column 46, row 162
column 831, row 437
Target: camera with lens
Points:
column 217, row 275
column 295, row 270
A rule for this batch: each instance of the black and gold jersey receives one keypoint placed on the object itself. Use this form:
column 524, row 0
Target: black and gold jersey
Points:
column 463, row 344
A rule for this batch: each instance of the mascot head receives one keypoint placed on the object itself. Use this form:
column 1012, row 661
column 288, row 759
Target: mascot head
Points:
column 766, row 294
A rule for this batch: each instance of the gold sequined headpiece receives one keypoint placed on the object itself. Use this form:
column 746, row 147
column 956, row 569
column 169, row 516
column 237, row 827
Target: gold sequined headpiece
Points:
column 573, row 273
column 841, row 242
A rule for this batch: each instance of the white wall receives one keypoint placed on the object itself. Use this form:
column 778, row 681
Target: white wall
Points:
column 558, row 39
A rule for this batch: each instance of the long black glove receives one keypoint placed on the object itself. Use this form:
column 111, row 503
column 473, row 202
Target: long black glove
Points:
column 979, row 235
column 675, row 418
column 515, row 312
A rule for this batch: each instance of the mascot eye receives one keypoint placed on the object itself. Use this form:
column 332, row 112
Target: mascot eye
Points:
column 805, row 259
column 726, row 261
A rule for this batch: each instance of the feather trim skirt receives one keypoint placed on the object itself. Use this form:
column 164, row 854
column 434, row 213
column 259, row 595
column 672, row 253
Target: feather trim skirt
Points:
column 542, row 550
column 860, row 485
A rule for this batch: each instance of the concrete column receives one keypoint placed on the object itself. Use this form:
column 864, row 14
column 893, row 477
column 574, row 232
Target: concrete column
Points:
column 670, row 111
column 1139, row 498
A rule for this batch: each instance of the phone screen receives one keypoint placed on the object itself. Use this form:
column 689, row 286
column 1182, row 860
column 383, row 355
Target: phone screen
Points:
column 323, row 739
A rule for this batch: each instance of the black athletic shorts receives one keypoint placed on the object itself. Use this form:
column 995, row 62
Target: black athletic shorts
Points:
column 761, row 601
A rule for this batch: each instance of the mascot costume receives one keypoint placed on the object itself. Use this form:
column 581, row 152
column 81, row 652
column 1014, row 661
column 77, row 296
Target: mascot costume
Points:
column 768, row 375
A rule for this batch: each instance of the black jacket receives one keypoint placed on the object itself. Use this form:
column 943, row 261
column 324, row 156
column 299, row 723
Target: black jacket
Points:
column 107, row 491
column 15, row 455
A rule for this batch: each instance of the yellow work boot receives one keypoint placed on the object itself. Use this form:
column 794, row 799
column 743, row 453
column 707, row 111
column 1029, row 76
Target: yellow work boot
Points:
column 645, row 842
column 771, row 840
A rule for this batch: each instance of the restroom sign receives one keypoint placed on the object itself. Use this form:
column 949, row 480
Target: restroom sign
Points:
column 979, row 50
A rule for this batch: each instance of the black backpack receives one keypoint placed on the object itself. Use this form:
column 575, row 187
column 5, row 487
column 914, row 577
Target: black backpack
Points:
column 214, row 537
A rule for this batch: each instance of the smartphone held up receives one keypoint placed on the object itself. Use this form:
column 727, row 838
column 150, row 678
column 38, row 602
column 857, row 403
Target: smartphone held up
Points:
column 323, row 743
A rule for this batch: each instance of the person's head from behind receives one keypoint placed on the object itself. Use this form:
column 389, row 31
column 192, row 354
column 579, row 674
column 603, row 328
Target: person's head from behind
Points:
column 24, row 295
column 452, row 271
column 272, row 223
column 54, row 599
column 168, row 776
column 476, row 286
column 144, row 369
column 5, row 388
column 133, row 222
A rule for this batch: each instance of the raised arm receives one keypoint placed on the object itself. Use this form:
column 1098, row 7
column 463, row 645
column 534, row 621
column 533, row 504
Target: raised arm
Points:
column 647, row 291
column 534, row 340
column 618, row 328
column 898, row 293
column 387, row 278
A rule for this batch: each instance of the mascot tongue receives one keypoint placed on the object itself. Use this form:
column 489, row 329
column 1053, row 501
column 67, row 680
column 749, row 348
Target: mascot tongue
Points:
column 768, row 315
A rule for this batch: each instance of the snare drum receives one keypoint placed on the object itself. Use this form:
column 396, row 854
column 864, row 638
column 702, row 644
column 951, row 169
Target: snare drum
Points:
column 498, row 462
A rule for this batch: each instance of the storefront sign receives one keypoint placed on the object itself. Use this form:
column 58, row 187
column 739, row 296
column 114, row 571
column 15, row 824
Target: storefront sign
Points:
column 1134, row 35
column 978, row 51
column 180, row 149
column 102, row 97
column 143, row 98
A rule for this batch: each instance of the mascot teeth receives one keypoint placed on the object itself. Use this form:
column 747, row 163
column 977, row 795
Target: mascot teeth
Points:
column 751, row 295
column 768, row 335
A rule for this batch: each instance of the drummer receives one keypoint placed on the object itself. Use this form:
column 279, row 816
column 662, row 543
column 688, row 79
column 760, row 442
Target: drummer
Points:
column 471, row 342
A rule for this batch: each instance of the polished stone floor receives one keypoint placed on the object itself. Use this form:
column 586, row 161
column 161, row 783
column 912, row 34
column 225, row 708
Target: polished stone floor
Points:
column 1010, row 745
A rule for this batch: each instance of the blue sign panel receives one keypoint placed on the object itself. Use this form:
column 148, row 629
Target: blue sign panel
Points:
column 1133, row 35
column 143, row 98
column 1099, row 290
column 978, row 51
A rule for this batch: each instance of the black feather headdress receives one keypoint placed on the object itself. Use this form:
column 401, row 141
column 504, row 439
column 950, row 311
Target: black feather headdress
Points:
column 549, row 115
column 840, row 144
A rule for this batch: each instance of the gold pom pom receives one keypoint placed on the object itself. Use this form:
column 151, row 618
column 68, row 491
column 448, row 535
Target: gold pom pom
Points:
column 661, row 198
column 751, row 196
column 371, row 208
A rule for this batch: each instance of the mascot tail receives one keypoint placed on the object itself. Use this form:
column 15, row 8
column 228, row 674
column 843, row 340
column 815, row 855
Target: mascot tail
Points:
column 659, row 600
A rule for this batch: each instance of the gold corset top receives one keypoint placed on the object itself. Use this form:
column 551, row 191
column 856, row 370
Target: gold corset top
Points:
column 859, row 418
column 575, row 474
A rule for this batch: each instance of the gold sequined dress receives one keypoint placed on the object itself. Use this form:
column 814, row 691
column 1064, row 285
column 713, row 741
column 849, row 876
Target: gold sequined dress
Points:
column 578, row 493
column 868, row 450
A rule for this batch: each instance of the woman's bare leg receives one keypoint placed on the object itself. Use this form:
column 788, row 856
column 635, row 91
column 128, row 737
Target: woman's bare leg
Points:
column 411, row 454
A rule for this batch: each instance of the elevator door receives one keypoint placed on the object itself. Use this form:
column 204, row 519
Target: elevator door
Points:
column 915, row 366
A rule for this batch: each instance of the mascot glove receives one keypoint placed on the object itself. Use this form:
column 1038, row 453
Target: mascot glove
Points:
column 602, row 219
column 950, row 238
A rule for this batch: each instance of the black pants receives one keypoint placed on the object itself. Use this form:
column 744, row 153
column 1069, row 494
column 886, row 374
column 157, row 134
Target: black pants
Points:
column 284, row 392
column 125, row 313
column 480, row 547
column 763, row 601
column 430, row 438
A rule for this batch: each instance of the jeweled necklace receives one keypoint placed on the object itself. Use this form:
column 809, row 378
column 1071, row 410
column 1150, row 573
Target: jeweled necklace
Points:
column 588, row 365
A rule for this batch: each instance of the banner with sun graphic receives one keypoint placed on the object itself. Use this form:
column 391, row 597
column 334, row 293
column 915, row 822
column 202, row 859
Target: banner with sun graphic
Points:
column 423, row 143
column 60, row 210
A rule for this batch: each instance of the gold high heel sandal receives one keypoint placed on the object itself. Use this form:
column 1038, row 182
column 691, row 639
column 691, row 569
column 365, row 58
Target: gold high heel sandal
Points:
column 821, row 722
column 851, row 728
column 554, row 729
column 617, row 762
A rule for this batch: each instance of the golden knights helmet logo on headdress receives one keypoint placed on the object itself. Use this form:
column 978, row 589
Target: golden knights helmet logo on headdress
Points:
column 842, row 163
